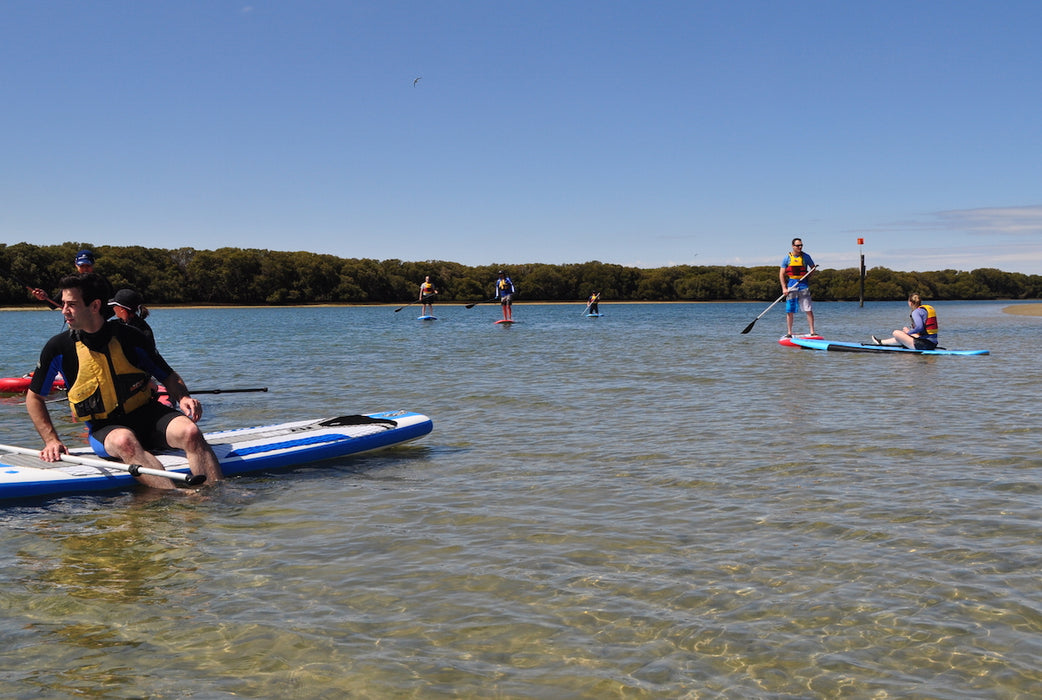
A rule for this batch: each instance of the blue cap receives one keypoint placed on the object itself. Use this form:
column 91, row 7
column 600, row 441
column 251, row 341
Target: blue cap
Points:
column 84, row 257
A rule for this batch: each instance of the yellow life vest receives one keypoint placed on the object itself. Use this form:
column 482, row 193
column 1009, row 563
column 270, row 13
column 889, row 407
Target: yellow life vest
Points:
column 107, row 382
column 796, row 267
column 931, row 320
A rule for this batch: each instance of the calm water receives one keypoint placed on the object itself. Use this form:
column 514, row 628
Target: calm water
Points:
column 644, row 505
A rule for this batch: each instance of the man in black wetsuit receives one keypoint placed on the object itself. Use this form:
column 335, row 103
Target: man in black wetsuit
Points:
column 107, row 368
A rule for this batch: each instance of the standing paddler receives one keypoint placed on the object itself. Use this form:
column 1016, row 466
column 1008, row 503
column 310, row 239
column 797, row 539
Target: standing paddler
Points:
column 795, row 268
column 505, row 292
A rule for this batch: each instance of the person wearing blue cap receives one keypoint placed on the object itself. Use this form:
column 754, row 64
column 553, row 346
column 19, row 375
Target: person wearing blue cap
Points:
column 85, row 261
column 84, row 264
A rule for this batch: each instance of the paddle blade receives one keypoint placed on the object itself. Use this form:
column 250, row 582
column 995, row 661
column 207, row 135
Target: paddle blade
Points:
column 749, row 327
column 195, row 479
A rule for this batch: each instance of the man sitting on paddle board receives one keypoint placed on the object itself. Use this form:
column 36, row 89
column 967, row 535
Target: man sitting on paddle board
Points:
column 796, row 265
column 107, row 367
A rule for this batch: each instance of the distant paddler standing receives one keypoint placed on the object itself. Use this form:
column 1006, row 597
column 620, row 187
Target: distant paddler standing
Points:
column 505, row 292
column 592, row 304
column 427, row 292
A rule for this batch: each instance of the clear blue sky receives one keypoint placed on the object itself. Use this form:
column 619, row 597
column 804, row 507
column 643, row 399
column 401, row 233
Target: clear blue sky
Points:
column 640, row 133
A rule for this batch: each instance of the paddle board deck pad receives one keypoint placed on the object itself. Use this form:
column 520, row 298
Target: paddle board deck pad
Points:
column 505, row 322
column 20, row 385
column 872, row 347
column 426, row 318
column 241, row 451
column 787, row 340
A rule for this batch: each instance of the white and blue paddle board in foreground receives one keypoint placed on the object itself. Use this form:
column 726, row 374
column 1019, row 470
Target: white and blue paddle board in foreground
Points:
column 241, row 451
column 426, row 318
column 835, row 345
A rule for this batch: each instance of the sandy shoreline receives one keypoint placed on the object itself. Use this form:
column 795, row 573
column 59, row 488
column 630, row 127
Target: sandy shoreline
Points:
column 1023, row 309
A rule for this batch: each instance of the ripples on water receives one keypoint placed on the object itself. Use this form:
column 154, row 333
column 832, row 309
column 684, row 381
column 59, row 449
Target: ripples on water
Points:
column 647, row 504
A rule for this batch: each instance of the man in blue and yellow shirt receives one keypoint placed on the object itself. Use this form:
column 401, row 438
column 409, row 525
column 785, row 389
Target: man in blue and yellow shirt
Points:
column 795, row 268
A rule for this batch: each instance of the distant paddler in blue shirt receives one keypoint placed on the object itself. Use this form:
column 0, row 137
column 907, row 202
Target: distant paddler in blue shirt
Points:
column 505, row 292
column 795, row 268
column 922, row 335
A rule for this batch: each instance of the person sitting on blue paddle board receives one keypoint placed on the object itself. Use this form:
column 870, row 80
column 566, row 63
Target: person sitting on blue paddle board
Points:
column 922, row 335
column 107, row 369
column 793, row 277
column 505, row 292
column 427, row 292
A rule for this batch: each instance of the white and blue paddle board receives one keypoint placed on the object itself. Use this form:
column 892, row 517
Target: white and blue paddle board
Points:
column 242, row 451
column 594, row 315
column 426, row 318
column 835, row 345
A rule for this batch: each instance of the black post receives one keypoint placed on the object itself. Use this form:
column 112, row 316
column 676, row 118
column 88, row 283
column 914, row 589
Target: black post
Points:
column 862, row 304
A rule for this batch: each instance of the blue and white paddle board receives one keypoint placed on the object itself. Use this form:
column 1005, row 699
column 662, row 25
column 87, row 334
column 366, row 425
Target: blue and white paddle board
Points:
column 594, row 315
column 835, row 345
column 242, row 451
column 426, row 318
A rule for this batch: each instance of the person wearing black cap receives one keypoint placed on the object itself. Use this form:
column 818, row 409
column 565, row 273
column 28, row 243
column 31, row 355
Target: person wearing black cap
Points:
column 505, row 292
column 84, row 264
column 130, row 309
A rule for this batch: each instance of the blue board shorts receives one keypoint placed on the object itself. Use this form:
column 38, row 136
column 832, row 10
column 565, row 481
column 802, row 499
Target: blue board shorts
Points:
column 798, row 301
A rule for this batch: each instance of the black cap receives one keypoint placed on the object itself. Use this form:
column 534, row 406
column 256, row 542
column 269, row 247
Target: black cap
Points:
column 127, row 298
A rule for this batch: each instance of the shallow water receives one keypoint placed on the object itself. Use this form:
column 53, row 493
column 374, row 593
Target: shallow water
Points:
column 647, row 504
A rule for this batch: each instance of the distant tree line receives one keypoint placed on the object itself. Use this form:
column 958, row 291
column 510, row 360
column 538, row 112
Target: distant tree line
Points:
column 269, row 277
